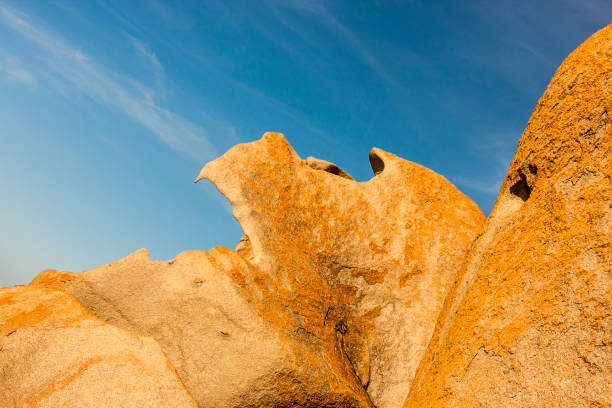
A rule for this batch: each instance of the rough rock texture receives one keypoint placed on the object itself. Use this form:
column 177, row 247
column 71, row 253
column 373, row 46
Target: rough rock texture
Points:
column 225, row 327
column 55, row 353
column 529, row 322
column 388, row 250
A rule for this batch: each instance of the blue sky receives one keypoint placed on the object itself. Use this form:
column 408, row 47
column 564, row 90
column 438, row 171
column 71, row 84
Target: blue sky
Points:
column 108, row 109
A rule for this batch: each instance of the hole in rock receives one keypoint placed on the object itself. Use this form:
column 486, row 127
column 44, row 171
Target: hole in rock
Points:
column 327, row 167
column 341, row 327
column 333, row 169
column 378, row 165
column 521, row 189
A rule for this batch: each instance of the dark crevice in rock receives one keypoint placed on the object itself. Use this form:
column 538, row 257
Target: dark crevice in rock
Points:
column 333, row 169
column 521, row 188
column 341, row 326
column 328, row 167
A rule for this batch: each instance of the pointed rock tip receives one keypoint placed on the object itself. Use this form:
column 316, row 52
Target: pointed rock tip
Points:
column 141, row 253
column 201, row 175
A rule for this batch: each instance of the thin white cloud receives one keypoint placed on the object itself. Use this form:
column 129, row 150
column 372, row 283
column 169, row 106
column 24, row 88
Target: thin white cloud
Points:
column 251, row 92
column 490, row 187
column 175, row 17
column 150, row 56
column 337, row 28
column 12, row 71
column 360, row 49
column 120, row 17
column 597, row 11
column 539, row 55
column 116, row 91
column 499, row 150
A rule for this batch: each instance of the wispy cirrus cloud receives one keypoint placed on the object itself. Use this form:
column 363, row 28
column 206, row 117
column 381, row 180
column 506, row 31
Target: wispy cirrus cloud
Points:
column 11, row 70
column 112, row 89
column 490, row 186
column 150, row 56
column 341, row 31
column 498, row 149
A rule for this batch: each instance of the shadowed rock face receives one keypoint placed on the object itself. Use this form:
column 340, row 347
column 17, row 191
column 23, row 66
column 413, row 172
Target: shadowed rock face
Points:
column 387, row 248
column 56, row 353
column 529, row 321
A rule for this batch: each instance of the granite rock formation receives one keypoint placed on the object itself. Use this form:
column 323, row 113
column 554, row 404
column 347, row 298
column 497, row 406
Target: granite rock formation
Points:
column 351, row 294
column 388, row 249
column 529, row 321
column 333, row 291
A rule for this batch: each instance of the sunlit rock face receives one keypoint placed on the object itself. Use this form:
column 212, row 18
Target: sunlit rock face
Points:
column 529, row 321
column 328, row 301
column 385, row 250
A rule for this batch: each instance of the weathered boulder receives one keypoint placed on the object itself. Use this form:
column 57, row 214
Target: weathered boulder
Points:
column 529, row 321
column 55, row 353
column 225, row 326
column 388, row 248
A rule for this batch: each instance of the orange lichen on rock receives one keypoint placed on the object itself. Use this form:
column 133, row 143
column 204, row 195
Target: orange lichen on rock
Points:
column 338, row 249
column 529, row 321
column 55, row 353
column 22, row 307
column 51, row 277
